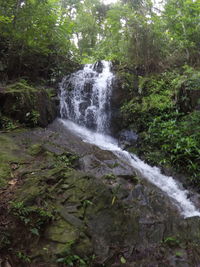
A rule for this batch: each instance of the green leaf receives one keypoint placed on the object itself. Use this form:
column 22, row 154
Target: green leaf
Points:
column 35, row 231
column 123, row 260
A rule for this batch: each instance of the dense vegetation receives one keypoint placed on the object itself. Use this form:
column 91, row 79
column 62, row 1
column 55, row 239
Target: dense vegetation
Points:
column 165, row 111
column 38, row 36
column 41, row 40
column 73, row 218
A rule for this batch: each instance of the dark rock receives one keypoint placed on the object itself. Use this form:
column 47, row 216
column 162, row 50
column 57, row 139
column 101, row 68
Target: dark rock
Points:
column 88, row 88
column 188, row 99
column 90, row 119
column 127, row 138
column 98, row 67
column 83, row 106
column 73, row 220
column 120, row 94
column 108, row 218
column 194, row 96
column 28, row 105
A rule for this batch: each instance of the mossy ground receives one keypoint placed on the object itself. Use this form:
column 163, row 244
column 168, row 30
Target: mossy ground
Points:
column 8, row 156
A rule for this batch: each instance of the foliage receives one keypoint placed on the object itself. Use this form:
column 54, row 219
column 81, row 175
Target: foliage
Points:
column 68, row 159
column 181, row 18
column 33, row 117
column 22, row 256
column 163, row 113
column 7, row 123
column 179, row 140
column 38, row 36
column 171, row 241
column 154, row 96
column 33, row 218
column 31, row 38
column 4, row 240
column 110, row 176
column 73, row 260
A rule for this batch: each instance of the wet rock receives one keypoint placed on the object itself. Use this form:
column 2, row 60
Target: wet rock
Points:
column 90, row 119
column 127, row 138
column 102, row 166
column 94, row 215
column 88, row 89
column 83, row 106
column 98, row 67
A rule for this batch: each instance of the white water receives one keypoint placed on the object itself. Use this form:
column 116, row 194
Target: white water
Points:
column 88, row 104
column 105, row 142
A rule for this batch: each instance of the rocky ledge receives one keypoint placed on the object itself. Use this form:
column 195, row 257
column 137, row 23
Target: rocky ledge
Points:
column 67, row 203
column 32, row 106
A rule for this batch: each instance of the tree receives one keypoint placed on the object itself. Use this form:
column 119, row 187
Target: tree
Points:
column 182, row 23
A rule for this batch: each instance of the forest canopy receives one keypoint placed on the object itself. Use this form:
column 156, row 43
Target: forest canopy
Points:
column 132, row 32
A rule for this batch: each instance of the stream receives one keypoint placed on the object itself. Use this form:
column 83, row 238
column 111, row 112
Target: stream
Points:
column 86, row 111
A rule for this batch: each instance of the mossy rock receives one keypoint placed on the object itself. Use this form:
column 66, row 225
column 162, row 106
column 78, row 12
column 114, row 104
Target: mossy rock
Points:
column 36, row 149
column 26, row 104
column 62, row 232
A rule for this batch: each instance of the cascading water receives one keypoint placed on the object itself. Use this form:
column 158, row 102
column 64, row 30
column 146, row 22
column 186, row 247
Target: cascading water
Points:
column 85, row 96
column 85, row 101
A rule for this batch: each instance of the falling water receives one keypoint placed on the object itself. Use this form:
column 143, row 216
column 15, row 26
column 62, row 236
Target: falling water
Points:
column 85, row 96
column 88, row 83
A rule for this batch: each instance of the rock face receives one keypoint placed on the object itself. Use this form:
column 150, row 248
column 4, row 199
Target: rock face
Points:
column 99, row 208
column 118, row 97
column 127, row 138
column 124, row 85
column 98, row 66
column 28, row 105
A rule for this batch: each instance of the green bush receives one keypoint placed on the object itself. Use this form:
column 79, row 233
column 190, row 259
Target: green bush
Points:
column 34, row 218
column 179, row 140
column 162, row 114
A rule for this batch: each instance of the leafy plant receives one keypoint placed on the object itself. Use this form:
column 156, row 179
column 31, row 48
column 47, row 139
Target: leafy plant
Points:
column 179, row 254
column 33, row 117
column 7, row 123
column 122, row 260
column 34, row 218
column 110, row 176
column 68, row 159
column 73, row 260
column 4, row 239
column 22, row 256
column 171, row 241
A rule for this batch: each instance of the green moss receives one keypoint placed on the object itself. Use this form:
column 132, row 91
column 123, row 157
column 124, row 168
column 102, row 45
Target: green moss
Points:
column 7, row 156
column 20, row 86
column 30, row 191
column 62, row 232
column 110, row 176
column 171, row 241
column 36, row 149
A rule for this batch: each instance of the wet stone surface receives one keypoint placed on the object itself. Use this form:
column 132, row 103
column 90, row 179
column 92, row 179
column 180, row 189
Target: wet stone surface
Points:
column 99, row 205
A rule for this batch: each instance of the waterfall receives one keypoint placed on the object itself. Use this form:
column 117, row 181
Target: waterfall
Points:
column 85, row 103
column 85, row 96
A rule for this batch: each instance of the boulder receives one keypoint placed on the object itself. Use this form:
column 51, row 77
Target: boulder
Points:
column 28, row 105
column 127, row 138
